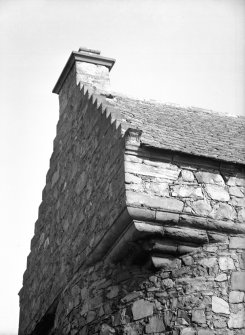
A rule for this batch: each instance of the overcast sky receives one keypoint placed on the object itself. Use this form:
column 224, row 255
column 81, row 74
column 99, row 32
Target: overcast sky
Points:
column 185, row 52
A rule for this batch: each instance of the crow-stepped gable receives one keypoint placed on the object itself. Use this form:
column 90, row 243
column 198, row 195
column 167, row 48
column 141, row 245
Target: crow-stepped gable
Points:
column 141, row 229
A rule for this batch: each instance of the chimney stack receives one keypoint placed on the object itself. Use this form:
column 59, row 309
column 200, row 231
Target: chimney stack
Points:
column 84, row 66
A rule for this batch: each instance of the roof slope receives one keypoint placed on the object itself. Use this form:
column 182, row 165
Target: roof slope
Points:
column 188, row 130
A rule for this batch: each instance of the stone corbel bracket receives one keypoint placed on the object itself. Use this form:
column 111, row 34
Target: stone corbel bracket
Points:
column 152, row 235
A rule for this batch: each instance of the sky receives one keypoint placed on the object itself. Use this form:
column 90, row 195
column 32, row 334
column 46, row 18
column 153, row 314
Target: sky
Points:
column 188, row 52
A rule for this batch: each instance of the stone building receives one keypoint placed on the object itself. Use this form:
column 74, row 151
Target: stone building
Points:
column 141, row 227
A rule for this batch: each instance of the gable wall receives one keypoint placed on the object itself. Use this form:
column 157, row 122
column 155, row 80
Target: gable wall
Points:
column 84, row 194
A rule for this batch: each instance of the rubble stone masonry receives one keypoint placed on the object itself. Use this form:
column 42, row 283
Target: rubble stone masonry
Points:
column 131, row 239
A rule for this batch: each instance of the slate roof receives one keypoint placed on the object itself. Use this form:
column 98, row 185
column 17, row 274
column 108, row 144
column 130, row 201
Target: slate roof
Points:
column 188, row 130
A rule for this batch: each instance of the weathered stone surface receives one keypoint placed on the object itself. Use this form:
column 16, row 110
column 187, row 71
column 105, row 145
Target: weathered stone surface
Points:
column 223, row 212
column 55, row 178
column 91, row 316
column 167, row 217
column 186, row 191
column 131, row 178
column 205, row 332
column 209, row 262
column 198, row 316
column 221, row 277
column 209, row 178
column 226, row 263
column 237, row 320
column 188, row 331
column 220, row 306
column 237, row 242
column 242, row 260
column 236, row 181
column 113, row 292
column 236, row 192
column 238, row 281
column 141, row 309
column 155, row 325
column 140, row 199
column 187, row 175
column 201, row 207
column 217, row 192
column 81, row 182
column 106, row 329
column 236, row 297
column 163, row 170
column 241, row 215
column 156, row 188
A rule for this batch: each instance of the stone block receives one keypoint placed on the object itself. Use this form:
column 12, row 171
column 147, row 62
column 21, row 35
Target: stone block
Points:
column 55, row 178
column 217, row 192
column 198, row 316
column 205, row 332
column 220, row 306
column 221, row 277
column 238, row 281
column 167, row 217
column 237, row 320
column 106, row 329
column 236, row 296
column 186, row 191
column 236, row 192
column 223, row 211
column 156, row 188
column 242, row 260
column 141, row 309
column 132, row 179
column 188, row 331
column 164, row 170
column 187, row 175
column 241, row 215
column 209, row 178
column 81, row 183
column 237, row 242
column 226, row 263
column 91, row 316
column 168, row 204
column 155, row 325
column 113, row 292
column 201, row 207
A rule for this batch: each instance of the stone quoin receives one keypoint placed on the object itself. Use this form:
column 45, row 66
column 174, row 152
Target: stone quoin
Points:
column 141, row 228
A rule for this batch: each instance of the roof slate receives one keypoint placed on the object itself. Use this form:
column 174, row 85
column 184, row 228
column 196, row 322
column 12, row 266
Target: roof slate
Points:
column 188, row 130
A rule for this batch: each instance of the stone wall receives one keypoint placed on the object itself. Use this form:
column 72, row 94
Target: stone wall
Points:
column 84, row 194
column 199, row 191
column 201, row 293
